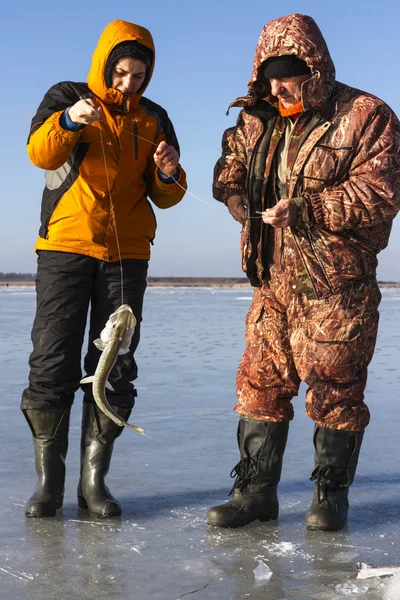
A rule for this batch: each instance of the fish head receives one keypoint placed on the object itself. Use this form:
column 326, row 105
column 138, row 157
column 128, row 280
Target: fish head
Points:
column 125, row 320
column 120, row 326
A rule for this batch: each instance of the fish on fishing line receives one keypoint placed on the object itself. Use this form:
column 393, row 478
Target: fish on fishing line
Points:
column 115, row 339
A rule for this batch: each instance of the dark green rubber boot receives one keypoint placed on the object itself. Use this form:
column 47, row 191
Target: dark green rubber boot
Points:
column 254, row 493
column 50, row 440
column 98, row 436
column 336, row 458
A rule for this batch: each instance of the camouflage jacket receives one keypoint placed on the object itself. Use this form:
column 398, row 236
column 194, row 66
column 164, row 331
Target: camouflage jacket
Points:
column 343, row 162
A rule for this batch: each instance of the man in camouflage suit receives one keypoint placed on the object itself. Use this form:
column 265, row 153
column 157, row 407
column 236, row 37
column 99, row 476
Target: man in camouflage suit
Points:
column 312, row 171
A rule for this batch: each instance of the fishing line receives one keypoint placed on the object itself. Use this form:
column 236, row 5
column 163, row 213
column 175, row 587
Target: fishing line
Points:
column 113, row 211
column 112, row 206
column 177, row 183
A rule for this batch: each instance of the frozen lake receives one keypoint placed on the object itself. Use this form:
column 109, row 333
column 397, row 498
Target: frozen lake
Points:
column 161, row 548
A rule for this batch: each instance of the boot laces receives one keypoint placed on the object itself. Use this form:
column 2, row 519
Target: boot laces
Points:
column 327, row 479
column 244, row 472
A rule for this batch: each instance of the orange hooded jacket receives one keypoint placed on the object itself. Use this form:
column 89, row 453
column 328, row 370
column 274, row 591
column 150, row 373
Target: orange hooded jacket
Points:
column 79, row 214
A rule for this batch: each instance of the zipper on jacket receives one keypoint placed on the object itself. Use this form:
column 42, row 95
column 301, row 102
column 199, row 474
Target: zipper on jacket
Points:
column 252, row 160
column 305, row 135
column 307, row 132
column 250, row 170
column 136, row 139
column 282, row 248
column 282, row 235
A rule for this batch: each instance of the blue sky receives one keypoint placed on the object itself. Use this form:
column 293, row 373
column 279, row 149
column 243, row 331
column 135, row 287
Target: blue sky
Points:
column 204, row 54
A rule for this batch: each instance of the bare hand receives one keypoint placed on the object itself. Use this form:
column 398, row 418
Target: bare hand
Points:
column 85, row 111
column 237, row 207
column 283, row 214
column 166, row 158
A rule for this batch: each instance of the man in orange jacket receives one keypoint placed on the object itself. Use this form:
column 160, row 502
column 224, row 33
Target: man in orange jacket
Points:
column 106, row 149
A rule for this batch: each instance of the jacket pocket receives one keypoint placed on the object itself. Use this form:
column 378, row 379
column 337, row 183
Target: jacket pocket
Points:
column 259, row 364
column 332, row 331
column 326, row 165
column 335, row 350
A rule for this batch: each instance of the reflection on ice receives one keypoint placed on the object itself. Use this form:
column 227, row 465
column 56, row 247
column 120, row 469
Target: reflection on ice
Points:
column 161, row 548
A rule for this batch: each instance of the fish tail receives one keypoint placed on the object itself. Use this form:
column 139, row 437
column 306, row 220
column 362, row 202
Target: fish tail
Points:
column 135, row 428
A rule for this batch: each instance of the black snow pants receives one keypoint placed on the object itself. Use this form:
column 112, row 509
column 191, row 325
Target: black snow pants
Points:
column 67, row 285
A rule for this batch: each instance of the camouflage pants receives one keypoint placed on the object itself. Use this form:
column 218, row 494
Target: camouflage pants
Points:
column 326, row 343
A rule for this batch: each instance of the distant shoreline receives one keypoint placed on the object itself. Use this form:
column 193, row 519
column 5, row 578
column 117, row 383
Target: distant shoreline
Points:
column 217, row 282
column 206, row 282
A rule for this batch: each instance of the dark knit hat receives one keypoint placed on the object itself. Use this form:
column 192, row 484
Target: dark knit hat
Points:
column 131, row 49
column 287, row 65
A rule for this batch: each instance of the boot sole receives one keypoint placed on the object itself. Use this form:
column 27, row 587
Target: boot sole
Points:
column 97, row 515
column 41, row 511
column 234, row 525
column 322, row 528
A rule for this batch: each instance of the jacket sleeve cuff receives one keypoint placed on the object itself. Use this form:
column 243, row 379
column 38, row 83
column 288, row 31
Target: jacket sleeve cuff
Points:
column 169, row 179
column 167, row 186
column 233, row 189
column 67, row 124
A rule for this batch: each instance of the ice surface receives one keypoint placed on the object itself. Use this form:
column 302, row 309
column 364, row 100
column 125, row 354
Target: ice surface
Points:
column 368, row 571
column 392, row 589
column 351, row 589
column 161, row 548
column 262, row 572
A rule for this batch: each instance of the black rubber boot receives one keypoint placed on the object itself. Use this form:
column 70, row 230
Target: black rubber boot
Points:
column 50, row 440
column 336, row 458
column 98, row 435
column 254, row 493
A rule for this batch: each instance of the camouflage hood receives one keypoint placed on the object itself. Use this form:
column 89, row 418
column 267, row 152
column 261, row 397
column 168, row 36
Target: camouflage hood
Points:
column 299, row 35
